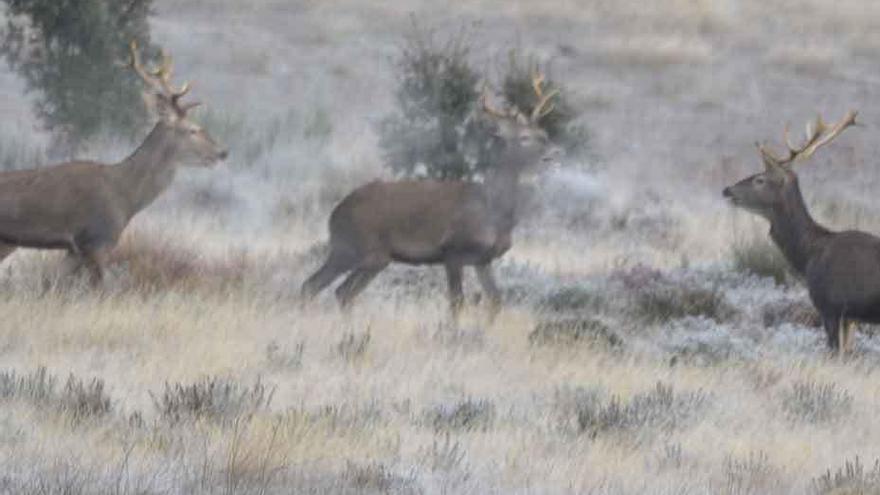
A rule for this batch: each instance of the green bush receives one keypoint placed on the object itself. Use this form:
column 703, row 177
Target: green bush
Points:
column 69, row 54
column 434, row 132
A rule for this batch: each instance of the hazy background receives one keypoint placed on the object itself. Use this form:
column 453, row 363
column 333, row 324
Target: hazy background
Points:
column 674, row 95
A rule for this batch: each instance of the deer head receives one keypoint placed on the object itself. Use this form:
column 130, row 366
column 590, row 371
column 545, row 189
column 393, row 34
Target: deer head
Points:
column 186, row 142
column 524, row 144
column 764, row 193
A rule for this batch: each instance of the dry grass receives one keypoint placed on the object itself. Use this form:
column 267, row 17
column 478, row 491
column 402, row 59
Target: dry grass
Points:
column 629, row 358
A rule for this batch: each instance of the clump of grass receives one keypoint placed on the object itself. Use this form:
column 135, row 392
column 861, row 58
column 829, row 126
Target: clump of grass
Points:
column 797, row 312
column 353, row 346
column 575, row 330
column 36, row 387
column 157, row 265
column 760, row 257
column 753, row 474
column 79, row 399
column 85, row 399
column 662, row 303
column 572, row 298
column 213, row 398
column 445, row 455
column 660, row 409
column 279, row 358
column 816, row 403
column 466, row 415
column 377, row 478
column 849, row 479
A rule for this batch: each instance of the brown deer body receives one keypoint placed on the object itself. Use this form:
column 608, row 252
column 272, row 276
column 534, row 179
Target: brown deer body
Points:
column 82, row 206
column 841, row 269
column 453, row 223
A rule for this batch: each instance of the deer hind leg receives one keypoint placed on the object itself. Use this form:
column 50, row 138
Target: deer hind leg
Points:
column 832, row 331
column 336, row 264
column 453, row 279
column 490, row 288
column 848, row 329
column 95, row 262
column 357, row 281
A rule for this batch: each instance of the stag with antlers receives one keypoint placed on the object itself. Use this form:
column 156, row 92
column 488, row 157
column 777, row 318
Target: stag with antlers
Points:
column 841, row 269
column 82, row 206
column 453, row 223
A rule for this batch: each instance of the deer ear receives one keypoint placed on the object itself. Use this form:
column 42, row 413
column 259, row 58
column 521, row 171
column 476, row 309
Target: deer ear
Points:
column 160, row 106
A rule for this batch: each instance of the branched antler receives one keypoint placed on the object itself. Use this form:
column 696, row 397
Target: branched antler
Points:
column 541, row 108
column 160, row 80
column 818, row 134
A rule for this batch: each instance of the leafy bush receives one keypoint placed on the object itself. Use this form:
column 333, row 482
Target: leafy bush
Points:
column 434, row 133
column 68, row 54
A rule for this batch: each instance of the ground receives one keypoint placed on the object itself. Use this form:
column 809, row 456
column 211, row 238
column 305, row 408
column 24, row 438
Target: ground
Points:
column 651, row 340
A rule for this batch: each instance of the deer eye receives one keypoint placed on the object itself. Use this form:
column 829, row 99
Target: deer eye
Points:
column 759, row 181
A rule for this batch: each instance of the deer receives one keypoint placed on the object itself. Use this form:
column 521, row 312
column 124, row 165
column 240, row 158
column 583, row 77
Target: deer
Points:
column 841, row 269
column 454, row 223
column 83, row 207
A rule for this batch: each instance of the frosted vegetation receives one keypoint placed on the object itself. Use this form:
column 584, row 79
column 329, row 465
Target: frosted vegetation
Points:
column 652, row 340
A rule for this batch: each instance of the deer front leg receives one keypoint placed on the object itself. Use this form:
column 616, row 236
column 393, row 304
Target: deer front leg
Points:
column 453, row 278
column 490, row 288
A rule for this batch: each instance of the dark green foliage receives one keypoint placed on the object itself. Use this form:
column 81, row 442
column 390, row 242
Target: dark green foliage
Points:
column 69, row 53
column 436, row 131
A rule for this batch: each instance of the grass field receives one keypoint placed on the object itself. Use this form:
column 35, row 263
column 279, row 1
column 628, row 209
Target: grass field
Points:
column 652, row 341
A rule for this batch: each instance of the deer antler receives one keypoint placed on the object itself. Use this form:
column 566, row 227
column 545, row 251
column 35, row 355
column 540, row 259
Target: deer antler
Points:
column 818, row 134
column 160, row 80
column 488, row 108
column 541, row 109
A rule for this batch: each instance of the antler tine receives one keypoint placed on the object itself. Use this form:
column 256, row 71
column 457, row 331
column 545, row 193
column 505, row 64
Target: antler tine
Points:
column 160, row 79
column 818, row 134
column 135, row 63
column 813, row 144
column 539, row 111
column 484, row 101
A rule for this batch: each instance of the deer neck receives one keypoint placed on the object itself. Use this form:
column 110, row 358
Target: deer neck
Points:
column 147, row 172
column 503, row 191
column 794, row 231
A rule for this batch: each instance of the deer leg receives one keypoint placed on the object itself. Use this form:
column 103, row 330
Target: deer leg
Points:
column 95, row 261
column 832, row 331
column 490, row 288
column 336, row 265
column 453, row 278
column 356, row 282
column 848, row 329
